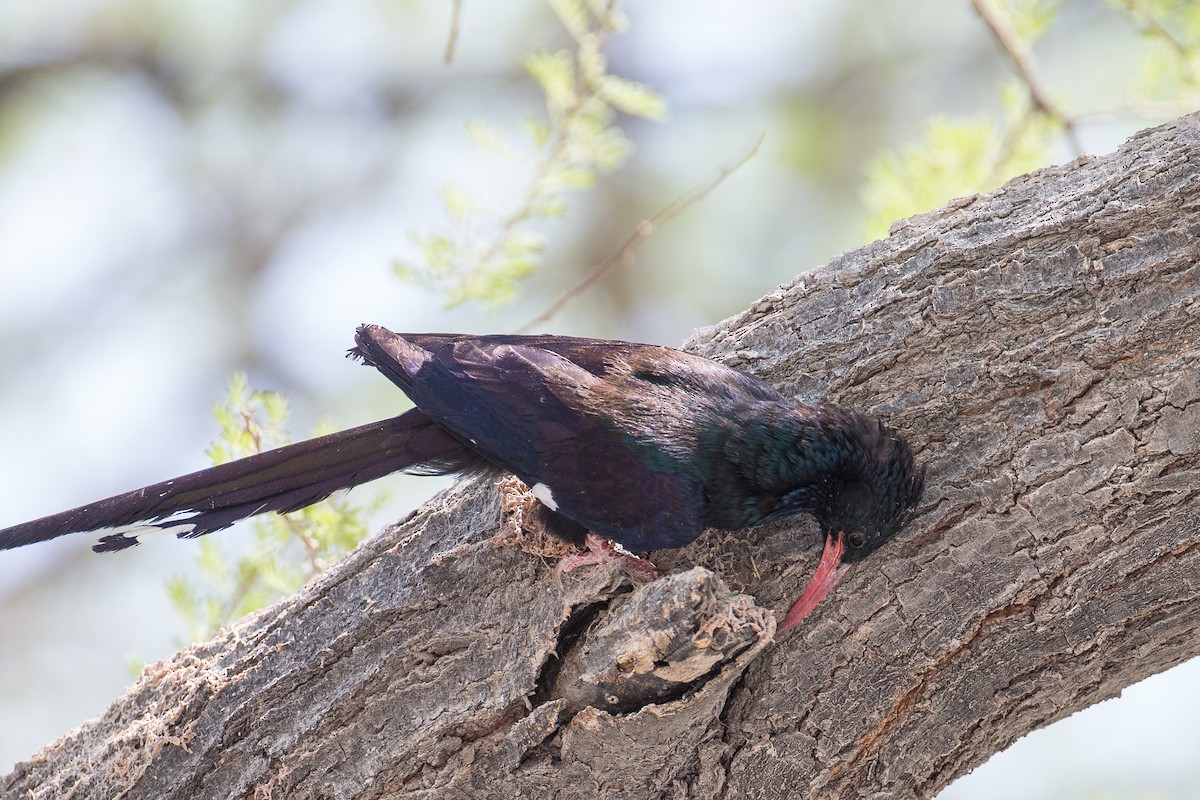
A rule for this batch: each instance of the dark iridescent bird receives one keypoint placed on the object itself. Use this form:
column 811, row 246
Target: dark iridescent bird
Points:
column 643, row 445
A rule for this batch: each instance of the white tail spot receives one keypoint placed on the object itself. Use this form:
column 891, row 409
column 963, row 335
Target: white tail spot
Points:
column 143, row 532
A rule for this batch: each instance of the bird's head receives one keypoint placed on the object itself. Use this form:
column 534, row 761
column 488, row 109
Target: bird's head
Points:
column 871, row 503
column 861, row 484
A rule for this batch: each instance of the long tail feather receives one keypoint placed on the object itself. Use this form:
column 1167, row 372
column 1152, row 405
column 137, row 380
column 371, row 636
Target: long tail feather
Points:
column 284, row 479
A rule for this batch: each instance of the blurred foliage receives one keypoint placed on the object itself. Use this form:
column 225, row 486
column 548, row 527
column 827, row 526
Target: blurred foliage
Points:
column 488, row 251
column 1029, row 19
column 287, row 549
column 1172, row 28
column 958, row 157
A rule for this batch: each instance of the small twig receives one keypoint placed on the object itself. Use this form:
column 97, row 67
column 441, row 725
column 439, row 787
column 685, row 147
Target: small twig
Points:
column 1027, row 69
column 556, row 151
column 252, row 429
column 643, row 231
column 452, row 41
column 1151, row 26
column 312, row 548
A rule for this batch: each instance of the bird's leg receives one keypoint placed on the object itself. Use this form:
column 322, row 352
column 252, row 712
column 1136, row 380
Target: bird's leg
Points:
column 599, row 550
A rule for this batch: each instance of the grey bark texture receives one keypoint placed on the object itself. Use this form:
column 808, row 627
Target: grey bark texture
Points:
column 1038, row 345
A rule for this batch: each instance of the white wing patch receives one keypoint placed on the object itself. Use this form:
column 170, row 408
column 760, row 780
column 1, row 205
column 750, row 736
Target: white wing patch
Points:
column 542, row 492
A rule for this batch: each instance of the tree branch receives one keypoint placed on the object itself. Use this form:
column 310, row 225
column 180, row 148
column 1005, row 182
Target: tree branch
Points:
column 643, row 231
column 1038, row 345
column 1027, row 70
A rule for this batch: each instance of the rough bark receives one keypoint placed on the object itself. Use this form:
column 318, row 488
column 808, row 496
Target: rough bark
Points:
column 1039, row 346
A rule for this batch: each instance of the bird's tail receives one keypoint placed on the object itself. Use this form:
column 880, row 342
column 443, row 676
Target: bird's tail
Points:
column 285, row 479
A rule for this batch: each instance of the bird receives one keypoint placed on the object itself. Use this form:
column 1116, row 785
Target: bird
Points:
column 640, row 445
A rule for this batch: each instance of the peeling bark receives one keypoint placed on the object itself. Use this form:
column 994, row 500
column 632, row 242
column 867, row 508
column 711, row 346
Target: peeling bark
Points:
column 1038, row 345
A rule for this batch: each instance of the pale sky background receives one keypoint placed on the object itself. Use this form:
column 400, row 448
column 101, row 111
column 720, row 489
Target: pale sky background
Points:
column 187, row 190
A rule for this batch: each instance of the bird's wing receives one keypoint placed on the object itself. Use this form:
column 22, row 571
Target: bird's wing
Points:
column 598, row 357
column 527, row 405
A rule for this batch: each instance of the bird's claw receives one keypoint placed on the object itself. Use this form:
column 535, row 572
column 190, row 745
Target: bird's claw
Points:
column 602, row 551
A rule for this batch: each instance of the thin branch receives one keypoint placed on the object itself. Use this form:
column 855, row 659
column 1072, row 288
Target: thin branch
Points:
column 312, row 548
column 643, row 231
column 1152, row 26
column 1027, row 69
column 559, row 146
column 452, row 41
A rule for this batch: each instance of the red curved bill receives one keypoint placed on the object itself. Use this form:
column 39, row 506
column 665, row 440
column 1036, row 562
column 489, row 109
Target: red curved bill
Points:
column 829, row 572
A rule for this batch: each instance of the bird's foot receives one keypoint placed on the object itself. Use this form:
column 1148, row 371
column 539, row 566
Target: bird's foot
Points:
column 602, row 551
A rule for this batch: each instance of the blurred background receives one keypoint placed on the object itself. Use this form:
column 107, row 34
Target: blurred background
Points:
column 187, row 190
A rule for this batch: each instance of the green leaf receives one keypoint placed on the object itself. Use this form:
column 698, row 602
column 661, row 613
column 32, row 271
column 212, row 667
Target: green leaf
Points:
column 1029, row 19
column 574, row 15
column 554, row 72
column 549, row 206
column 487, row 250
column 486, row 138
column 569, row 178
column 631, row 97
column 523, row 243
column 610, row 149
column 457, row 202
column 276, row 407
column 953, row 159
column 539, row 131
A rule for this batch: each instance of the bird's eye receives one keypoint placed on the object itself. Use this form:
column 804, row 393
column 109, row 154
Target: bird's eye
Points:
column 856, row 539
